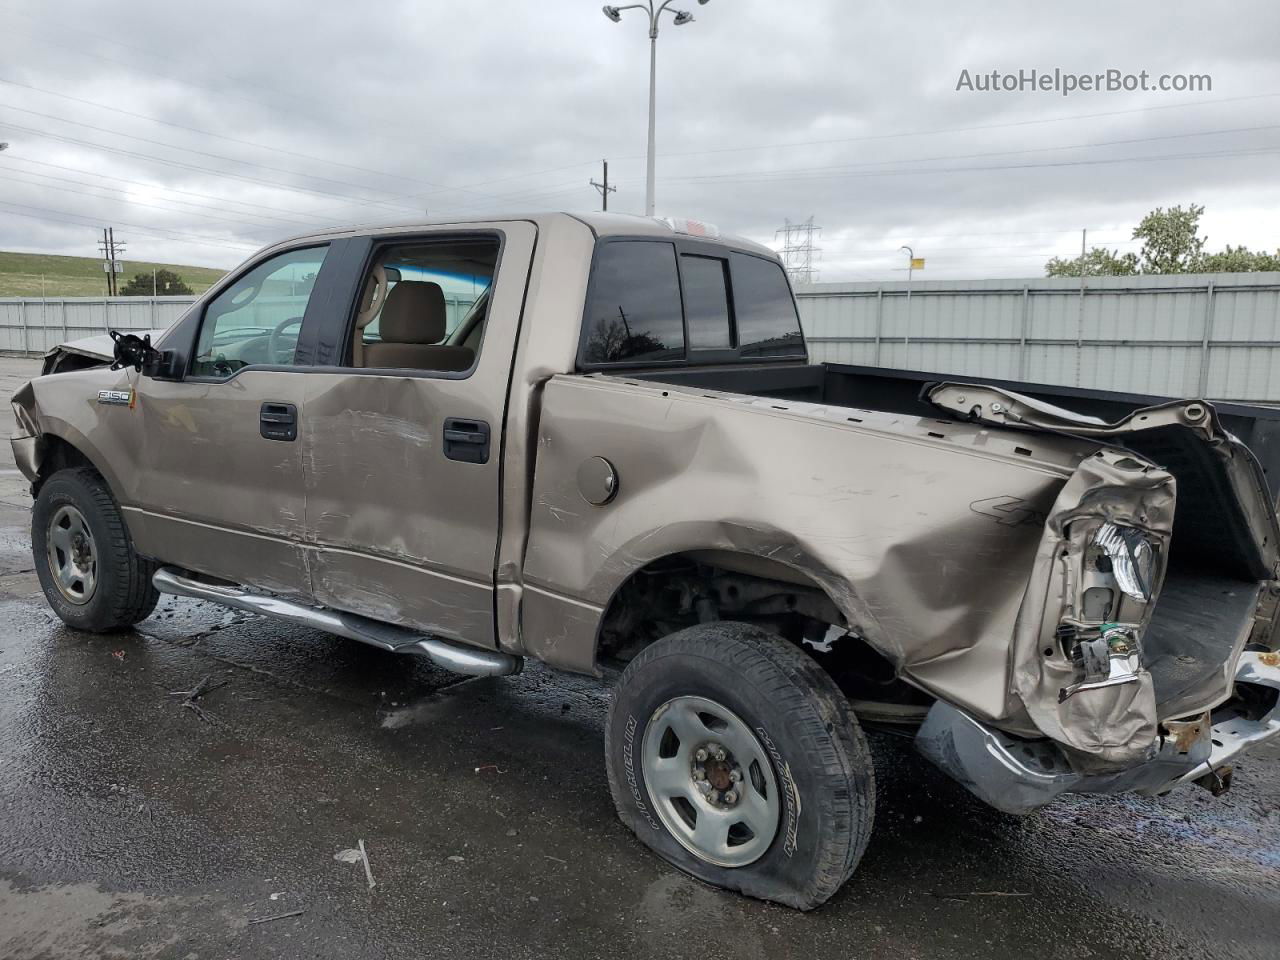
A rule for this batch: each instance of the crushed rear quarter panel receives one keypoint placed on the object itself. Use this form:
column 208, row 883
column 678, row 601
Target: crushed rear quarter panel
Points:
column 924, row 532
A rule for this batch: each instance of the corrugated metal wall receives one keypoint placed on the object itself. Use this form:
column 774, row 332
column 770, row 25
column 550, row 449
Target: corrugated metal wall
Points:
column 1211, row 335
column 35, row 325
column 1214, row 335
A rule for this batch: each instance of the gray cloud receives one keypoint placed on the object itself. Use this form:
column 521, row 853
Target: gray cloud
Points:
column 767, row 110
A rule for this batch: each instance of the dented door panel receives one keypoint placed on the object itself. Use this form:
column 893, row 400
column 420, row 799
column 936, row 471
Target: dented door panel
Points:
column 214, row 495
column 395, row 529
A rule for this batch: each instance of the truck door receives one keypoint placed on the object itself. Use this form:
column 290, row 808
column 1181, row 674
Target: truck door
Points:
column 219, row 487
column 402, row 437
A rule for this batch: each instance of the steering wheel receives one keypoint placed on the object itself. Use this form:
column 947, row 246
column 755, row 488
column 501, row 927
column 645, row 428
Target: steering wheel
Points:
column 276, row 351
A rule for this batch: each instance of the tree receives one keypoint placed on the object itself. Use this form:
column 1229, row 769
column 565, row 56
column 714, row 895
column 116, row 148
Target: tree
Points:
column 166, row 284
column 1239, row 260
column 1170, row 240
column 1171, row 243
column 1098, row 262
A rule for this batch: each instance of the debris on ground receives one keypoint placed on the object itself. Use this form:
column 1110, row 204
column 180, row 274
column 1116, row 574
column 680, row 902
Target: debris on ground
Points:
column 350, row 855
column 364, row 856
column 490, row 766
column 189, row 698
column 455, row 859
column 278, row 916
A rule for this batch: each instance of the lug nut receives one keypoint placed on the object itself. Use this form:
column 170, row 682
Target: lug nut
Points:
column 699, row 774
column 735, row 776
column 700, row 755
column 730, row 796
column 704, row 786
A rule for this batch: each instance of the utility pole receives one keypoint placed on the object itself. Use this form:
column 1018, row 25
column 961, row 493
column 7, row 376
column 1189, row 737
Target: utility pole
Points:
column 115, row 284
column 110, row 249
column 604, row 188
column 107, row 266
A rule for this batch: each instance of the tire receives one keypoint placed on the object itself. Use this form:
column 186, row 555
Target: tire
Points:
column 110, row 585
column 809, row 751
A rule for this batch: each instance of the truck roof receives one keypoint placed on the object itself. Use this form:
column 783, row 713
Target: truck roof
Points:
column 601, row 224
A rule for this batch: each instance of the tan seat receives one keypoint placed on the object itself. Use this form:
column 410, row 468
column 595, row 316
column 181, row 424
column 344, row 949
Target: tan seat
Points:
column 411, row 326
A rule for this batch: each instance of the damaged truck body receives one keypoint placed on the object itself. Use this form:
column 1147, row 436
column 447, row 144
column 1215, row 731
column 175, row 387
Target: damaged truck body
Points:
column 598, row 442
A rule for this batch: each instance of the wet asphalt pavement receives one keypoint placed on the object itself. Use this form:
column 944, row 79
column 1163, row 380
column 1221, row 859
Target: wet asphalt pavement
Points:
column 133, row 826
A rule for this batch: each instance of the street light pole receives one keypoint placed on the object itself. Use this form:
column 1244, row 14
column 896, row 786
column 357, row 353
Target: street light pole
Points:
column 655, row 13
column 653, row 122
column 911, row 262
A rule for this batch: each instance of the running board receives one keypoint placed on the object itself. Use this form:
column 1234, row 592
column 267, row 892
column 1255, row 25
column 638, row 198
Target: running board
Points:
column 451, row 656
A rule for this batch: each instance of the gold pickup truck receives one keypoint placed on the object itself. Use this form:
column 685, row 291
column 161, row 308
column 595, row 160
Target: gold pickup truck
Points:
column 597, row 441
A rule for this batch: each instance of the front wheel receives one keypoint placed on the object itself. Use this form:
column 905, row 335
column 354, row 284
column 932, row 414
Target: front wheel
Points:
column 91, row 575
column 735, row 757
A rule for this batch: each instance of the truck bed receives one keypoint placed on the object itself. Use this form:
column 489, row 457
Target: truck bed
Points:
column 1212, row 584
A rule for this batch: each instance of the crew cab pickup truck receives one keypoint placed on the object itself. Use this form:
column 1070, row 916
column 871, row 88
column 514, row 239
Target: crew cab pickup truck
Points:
column 597, row 441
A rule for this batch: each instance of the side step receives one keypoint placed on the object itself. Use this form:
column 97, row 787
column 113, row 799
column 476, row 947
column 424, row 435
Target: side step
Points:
column 451, row 656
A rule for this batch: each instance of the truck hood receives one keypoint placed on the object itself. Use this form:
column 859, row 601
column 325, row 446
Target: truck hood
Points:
column 99, row 347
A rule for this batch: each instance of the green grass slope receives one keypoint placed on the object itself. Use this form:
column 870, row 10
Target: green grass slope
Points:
column 20, row 275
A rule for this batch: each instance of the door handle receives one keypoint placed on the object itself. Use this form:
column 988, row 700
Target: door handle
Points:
column 278, row 421
column 466, row 440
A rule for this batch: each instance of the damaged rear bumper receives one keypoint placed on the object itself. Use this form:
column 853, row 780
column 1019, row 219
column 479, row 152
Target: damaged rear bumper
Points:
column 1018, row 776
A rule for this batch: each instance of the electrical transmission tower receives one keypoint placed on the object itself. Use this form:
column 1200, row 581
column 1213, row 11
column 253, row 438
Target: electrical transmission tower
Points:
column 798, row 251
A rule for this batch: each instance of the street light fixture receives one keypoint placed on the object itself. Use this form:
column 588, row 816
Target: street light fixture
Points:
column 681, row 17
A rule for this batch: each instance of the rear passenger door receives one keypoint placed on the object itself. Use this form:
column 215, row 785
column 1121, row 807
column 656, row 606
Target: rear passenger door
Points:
column 402, row 444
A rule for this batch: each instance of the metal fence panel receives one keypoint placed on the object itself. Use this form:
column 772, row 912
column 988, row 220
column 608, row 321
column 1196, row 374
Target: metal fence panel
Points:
column 1213, row 335
column 35, row 325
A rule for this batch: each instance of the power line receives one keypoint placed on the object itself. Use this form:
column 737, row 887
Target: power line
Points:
column 185, row 81
column 132, row 202
column 9, row 159
column 436, row 187
column 191, row 166
column 63, row 215
column 999, row 153
column 1011, row 166
column 943, row 130
column 199, row 153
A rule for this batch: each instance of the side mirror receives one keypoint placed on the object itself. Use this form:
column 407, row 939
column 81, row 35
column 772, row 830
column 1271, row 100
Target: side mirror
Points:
column 131, row 350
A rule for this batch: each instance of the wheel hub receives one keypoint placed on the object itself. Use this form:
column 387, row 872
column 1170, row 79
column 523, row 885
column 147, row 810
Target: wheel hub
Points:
column 711, row 782
column 71, row 554
column 716, row 774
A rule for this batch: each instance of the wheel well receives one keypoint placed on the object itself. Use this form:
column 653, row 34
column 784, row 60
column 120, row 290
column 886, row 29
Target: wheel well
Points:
column 684, row 589
column 59, row 454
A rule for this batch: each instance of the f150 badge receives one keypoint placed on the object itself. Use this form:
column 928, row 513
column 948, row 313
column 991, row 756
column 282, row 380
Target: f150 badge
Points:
column 123, row 398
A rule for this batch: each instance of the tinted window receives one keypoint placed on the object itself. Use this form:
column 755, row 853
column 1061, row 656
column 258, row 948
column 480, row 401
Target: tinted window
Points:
column 259, row 317
column 633, row 310
column 706, row 301
column 767, row 322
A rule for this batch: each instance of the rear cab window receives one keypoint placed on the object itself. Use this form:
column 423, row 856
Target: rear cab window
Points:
column 659, row 302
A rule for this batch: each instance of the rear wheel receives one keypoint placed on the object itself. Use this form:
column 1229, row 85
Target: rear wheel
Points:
column 91, row 575
column 735, row 757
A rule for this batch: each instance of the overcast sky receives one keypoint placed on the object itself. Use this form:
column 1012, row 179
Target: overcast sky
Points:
column 283, row 115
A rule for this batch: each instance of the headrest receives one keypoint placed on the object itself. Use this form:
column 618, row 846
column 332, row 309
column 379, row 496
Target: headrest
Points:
column 413, row 313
